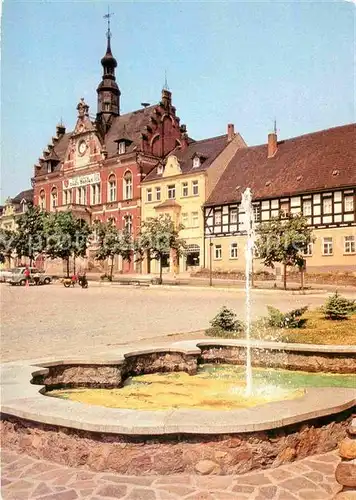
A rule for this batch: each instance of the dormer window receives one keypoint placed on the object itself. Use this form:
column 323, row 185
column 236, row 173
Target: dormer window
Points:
column 159, row 170
column 122, row 147
column 196, row 162
column 49, row 167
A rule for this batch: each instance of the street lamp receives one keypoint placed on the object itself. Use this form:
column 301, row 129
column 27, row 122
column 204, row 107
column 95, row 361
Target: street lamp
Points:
column 211, row 261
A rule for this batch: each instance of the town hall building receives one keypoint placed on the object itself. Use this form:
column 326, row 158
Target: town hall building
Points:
column 96, row 170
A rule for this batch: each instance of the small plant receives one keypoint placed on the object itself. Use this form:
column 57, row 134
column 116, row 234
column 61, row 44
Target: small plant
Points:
column 338, row 307
column 225, row 324
column 291, row 319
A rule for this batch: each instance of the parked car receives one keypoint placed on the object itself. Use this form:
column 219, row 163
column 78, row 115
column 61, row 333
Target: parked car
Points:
column 5, row 274
column 37, row 277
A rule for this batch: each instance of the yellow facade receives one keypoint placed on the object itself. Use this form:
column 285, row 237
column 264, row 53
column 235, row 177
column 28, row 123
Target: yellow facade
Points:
column 189, row 197
column 337, row 254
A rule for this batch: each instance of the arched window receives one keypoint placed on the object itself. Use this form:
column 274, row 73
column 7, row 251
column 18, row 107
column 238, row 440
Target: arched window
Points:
column 42, row 200
column 54, row 198
column 112, row 188
column 128, row 185
column 128, row 223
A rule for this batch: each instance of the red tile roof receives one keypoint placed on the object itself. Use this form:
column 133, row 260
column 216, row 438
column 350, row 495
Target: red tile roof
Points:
column 312, row 162
column 207, row 150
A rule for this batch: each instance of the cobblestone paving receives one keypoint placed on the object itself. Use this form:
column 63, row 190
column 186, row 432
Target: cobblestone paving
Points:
column 24, row 477
column 39, row 322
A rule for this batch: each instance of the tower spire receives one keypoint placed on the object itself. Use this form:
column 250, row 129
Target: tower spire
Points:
column 108, row 90
column 108, row 33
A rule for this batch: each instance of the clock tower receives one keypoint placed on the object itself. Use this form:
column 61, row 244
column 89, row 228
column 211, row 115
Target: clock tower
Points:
column 108, row 90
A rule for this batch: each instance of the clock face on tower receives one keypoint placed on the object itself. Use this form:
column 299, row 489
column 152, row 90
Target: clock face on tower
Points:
column 82, row 147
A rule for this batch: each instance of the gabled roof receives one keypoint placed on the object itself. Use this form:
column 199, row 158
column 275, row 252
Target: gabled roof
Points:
column 24, row 195
column 207, row 149
column 318, row 161
column 129, row 126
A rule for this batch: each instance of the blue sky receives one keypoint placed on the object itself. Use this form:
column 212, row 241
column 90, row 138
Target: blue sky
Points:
column 241, row 62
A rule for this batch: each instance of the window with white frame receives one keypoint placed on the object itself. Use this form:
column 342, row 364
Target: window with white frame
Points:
column 233, row 216
column 196, row 162
column 149, row 194
column 128, row 185
column 128, row 223
column 284, row 208
column 327, row 246
column 195, row 188
column 307, row 207
column 42, row 200
column 171, row 191
column 82, row 195
column 184, row 189
column 112, row 188
column 308, row 250
column 158, row 193
column 257, row 213
column 185, row 219
column 350, row 244
column 217, row 217
column 349, row 203
column 122, row 147
column 327, row 205
column 95, row 194
column 54, row 198
column 195, row 219
column 218, row 252
column 67, row 196
column 233, row 251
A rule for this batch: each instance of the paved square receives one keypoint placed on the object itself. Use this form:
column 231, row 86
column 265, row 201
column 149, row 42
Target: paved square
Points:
column 52, row 320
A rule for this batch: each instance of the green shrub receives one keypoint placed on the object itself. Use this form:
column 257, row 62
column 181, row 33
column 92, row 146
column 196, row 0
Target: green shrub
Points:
column 338, row 307
column 224, row 324
column 291, row 319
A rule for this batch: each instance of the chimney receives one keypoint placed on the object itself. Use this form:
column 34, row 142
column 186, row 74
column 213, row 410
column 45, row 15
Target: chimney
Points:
column 272, row 144
column 230, row 132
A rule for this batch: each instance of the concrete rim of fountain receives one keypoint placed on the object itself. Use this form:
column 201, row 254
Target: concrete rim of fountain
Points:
column 24, row 400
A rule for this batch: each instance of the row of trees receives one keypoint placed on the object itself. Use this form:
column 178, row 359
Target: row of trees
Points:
column 61, row 235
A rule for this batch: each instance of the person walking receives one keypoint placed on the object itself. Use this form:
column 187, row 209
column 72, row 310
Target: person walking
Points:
column 27, row 275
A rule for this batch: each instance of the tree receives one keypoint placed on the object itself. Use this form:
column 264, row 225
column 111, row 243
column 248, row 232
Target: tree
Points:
column 7, row 244
column 65, row 236
column 283, row 240
column 29, row 236
column 158, row 236
column 113, row 242
column 338, row 307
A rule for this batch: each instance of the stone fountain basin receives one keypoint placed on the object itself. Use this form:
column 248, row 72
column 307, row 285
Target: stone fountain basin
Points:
column 23, row 399
column 180, row 440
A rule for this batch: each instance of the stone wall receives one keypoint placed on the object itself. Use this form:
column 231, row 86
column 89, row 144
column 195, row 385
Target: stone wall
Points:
column 67, row 376
column 110, row 376
column 207, row 454
column 273, row 358
column 140, row 364
column 346, row 470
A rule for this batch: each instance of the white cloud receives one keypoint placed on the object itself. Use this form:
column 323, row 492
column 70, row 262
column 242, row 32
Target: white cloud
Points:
column 351, row 1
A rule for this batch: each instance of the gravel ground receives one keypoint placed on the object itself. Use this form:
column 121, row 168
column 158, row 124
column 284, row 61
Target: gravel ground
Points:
column 53, row 320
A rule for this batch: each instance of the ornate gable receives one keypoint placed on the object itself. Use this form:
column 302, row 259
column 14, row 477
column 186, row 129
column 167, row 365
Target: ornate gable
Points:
column 85, row 145
column 172, row 167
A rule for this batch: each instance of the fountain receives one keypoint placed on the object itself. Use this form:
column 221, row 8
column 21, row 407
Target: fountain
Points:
column 248, row 226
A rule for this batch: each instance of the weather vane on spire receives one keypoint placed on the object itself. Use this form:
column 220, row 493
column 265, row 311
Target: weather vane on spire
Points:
column 107, row 16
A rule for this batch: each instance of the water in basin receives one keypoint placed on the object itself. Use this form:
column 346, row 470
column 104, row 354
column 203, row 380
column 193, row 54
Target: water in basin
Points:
column 214, row 387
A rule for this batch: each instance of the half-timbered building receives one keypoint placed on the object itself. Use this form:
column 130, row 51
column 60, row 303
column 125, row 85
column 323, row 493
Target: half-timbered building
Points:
column 313, row 174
